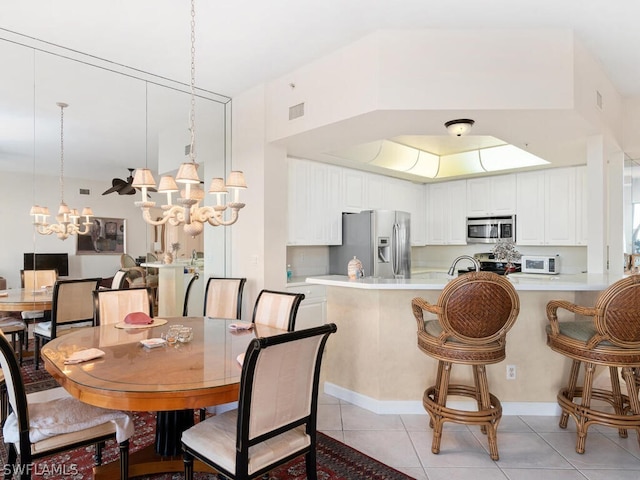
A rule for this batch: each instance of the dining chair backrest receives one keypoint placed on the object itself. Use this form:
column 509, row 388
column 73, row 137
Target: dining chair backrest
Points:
column 36, row 279
column 72, row 302
column 110, row 306
column 223, row 297
column 277, row 309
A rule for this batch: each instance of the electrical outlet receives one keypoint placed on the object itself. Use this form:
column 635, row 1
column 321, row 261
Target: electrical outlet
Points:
column 511, row 372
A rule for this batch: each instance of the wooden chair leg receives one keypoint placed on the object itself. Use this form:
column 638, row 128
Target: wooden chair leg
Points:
column 441, row 399
column 571, row 390
column 310, row 464
column 480, row 372
column 478, row 391
column 616, row 394
column 587, row 390
column 630, row 377
column 36, row 352
column 188, row 466
column 123, row 448
column 437, row 385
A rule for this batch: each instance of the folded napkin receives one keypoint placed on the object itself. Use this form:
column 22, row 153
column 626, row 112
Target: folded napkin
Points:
column 138, row 318
column 241, row 326
column 83, row 356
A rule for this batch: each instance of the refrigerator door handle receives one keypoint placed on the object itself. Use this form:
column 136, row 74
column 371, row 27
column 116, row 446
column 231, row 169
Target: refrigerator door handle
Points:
column 396, row 248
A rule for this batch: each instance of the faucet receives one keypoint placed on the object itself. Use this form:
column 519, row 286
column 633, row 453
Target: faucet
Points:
column 475, row 262
column 194, row 257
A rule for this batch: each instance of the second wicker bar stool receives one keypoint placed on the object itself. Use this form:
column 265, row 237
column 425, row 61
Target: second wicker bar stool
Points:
column 474, row 313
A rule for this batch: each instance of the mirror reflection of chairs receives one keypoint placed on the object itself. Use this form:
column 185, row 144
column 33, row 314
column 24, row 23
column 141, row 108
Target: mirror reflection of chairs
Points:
column 77, row 424
column 268, row 428
column 71, row 307
column 474, row 313
column 609, row 337
column 187, row 293
column 137, row 276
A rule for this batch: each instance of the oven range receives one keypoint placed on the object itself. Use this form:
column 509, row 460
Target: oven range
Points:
column 488, row 263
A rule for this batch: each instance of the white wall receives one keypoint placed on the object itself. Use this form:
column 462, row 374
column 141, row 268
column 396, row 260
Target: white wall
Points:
column 22, row 191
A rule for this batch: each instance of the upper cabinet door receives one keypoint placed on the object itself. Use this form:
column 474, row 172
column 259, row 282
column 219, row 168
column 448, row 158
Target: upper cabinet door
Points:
column 530, row 223
column 354, row 190
column 560, row 206
column 491, row 196
column 446, row 213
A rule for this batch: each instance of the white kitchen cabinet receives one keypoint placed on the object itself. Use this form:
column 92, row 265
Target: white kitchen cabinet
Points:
column 312, row 311
column 446, row 217
column 547, row 207
column 530, row 212
column 314, row 203
column 491, row 196
column 354, row 190
column 560, row 206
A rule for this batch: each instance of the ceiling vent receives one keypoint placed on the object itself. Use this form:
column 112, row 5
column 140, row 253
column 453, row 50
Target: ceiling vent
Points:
column 85, row 191
column 296, row 111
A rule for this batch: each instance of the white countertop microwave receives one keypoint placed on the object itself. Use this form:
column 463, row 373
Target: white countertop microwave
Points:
column 540, row 264
column 491, row 229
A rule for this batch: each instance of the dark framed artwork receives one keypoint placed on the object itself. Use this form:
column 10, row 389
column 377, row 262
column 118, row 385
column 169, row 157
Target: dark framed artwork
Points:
column 107, row 236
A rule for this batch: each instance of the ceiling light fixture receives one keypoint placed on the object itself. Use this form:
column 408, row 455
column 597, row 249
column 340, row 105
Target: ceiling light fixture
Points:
column 188, row 212
column 67, row 218
column 459, row 127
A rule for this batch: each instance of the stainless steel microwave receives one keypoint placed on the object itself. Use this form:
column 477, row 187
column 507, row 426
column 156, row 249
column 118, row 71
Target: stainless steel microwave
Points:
column 491, row 229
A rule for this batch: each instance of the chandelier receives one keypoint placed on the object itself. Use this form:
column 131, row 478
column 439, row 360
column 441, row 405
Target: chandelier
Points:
column 187, row 211
column 68, row 218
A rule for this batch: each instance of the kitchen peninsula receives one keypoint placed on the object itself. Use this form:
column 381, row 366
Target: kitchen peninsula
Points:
column 374, row 362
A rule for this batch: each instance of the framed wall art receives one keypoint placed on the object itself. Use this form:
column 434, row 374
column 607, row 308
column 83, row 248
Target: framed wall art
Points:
column 107, row 236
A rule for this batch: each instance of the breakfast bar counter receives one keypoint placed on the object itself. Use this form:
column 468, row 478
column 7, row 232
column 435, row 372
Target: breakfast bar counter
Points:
column 374, row 361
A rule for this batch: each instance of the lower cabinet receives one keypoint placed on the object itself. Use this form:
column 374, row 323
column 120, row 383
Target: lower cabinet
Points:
column 313, row 309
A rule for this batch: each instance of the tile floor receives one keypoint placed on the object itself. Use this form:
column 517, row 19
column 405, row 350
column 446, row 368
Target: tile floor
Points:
column 530, row 447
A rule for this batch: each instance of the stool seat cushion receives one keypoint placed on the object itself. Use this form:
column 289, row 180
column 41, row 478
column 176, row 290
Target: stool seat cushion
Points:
column 573, row 338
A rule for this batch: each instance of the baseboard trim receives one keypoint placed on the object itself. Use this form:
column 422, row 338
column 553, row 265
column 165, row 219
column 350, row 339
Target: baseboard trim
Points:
column 397, row 407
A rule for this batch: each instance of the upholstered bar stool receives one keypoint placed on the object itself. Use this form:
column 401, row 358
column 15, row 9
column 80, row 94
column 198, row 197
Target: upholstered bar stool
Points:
column 474, row 313
column 610, row 338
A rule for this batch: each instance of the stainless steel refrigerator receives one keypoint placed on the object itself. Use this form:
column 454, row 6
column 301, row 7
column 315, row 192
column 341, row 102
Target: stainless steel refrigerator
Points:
column 381, row 241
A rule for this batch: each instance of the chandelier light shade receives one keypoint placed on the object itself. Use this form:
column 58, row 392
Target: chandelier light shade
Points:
column 68, row 219
column 187, row 210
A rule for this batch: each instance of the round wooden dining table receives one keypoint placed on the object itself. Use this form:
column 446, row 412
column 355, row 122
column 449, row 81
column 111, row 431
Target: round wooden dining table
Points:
column 172, row 380
column 24, row 299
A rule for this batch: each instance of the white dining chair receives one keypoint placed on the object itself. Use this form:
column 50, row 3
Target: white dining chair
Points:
column 276, row 418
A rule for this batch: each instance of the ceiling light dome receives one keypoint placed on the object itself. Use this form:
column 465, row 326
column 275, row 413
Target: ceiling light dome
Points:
column 459, row 127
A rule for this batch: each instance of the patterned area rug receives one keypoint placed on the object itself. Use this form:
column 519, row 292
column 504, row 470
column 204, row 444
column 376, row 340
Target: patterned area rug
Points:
column 336, row 461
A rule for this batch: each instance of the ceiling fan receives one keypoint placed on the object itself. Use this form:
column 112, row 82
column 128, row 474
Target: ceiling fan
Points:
column 124, row 187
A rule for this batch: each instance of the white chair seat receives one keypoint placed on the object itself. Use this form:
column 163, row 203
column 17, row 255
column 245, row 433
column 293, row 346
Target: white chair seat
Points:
column 44, row 328
column 57, row 419
column 10, row 324
column 215, row 438
column 32, row 315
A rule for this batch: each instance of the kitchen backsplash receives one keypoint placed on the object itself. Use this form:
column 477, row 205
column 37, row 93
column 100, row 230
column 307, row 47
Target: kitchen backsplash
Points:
column 310, row 261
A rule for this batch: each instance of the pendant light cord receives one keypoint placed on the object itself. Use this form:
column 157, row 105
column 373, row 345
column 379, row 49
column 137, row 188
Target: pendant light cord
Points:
column 192, row 119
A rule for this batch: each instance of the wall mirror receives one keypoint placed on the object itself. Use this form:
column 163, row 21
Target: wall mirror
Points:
column 118, row 118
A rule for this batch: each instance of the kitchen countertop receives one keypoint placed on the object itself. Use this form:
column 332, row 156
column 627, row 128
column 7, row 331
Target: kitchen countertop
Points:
column 436, row 280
